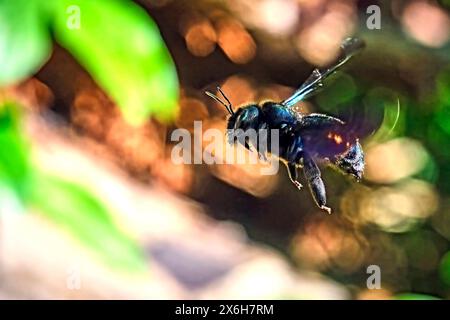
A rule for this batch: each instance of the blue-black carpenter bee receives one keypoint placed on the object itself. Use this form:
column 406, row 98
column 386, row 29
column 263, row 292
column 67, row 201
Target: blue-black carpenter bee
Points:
column 304, row 139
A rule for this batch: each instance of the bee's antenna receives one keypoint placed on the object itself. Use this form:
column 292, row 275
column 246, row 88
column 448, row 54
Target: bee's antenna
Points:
column 227, row 105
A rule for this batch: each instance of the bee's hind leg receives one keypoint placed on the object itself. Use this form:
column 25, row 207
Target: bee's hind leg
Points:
column 315, row 182
column 293, row 174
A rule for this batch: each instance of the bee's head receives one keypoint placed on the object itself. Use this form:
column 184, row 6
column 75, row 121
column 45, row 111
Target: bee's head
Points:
column 244, row 118
column 351, row 162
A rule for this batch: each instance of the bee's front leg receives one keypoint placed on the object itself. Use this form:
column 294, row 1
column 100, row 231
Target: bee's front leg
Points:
column 293, row 174
column 315, row 182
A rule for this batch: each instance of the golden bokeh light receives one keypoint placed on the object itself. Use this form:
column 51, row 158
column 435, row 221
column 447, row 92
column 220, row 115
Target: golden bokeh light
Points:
column 319, row 43
column 239, row 90
column 265, row 15
column 245, row 176
column 191, row 109
column 326, row 244
column 394, row 160
column 370, row 294
column 427, row 23
column 199, row 34
column 399, row 208
column 235, row 40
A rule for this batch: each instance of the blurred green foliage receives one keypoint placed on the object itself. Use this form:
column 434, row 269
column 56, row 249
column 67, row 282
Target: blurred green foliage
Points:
column 445, row 268
column 415, row 296
column 14, row 162
column 120, row 46
column 393, row 105
column 338, row 94
column 24, row 39
column 73, row 207
column 115, row 40
column 77, row 210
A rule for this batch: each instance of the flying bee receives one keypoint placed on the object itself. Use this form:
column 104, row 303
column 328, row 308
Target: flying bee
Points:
column 304, row 139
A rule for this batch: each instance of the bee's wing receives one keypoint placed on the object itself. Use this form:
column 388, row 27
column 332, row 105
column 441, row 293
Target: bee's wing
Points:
column 349, row 48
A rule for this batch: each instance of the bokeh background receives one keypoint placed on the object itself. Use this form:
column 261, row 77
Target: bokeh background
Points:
column 93, row 207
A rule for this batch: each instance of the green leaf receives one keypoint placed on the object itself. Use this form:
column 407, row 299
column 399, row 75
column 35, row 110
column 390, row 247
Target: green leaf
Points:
column 415, row 296
column 14, row 151
column 24, row 39
column 120, row 46
column 77, row 211
column 444, row 268
column 67, row 204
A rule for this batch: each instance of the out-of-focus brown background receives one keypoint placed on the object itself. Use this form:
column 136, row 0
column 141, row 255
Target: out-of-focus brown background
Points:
column 226, row 231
